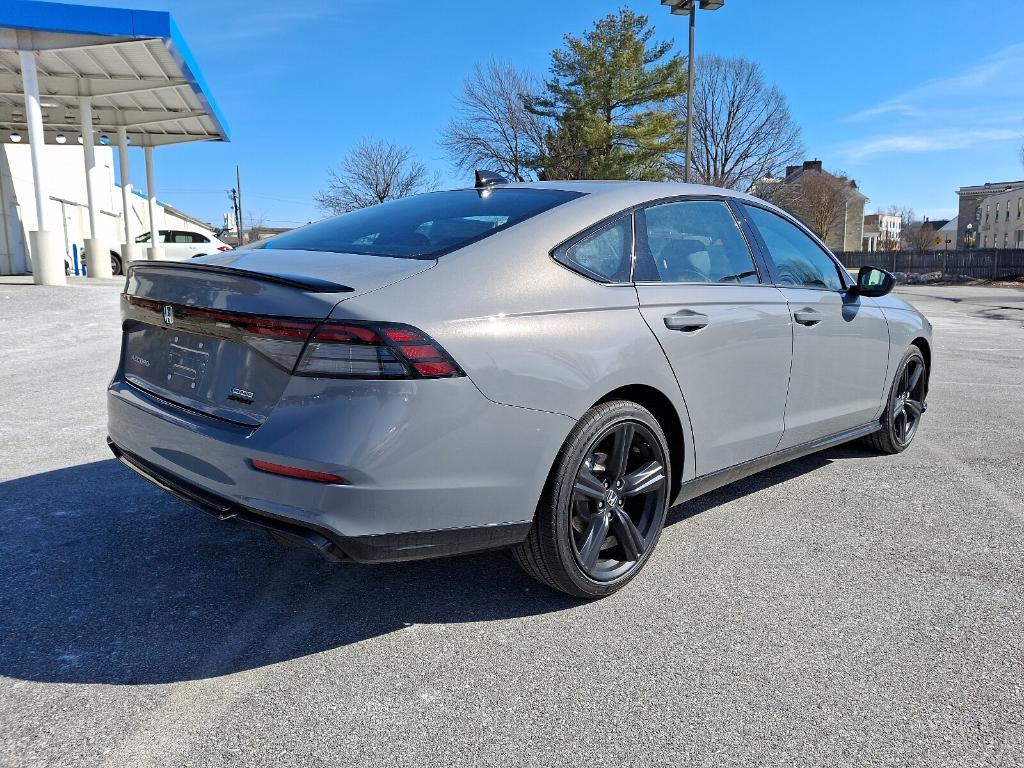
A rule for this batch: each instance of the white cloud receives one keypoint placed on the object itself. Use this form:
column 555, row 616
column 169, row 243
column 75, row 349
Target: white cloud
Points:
column 1000, row 69
column 925, row 141
column 981, row 104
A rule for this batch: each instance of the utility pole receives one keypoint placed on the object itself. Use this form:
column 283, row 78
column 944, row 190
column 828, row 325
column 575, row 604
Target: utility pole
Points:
column 236, row 213
column 241, row 219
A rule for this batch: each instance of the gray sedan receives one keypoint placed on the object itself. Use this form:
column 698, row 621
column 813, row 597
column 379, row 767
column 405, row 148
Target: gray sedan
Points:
column 541, row 366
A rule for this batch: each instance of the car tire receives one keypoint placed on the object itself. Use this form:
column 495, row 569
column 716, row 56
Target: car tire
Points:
column 116, row 266
column 903, row 408
column 601, row 512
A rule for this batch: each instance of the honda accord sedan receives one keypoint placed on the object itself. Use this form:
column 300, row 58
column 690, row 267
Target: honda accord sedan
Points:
column 541, row 366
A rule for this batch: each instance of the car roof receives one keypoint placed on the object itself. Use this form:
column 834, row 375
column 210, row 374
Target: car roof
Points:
column 626, row 193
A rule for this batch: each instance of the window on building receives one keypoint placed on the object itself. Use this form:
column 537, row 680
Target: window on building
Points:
column 984, row 242
column 1020, row 202
column 1006, row 238
column 988, row 212
column 977, row 213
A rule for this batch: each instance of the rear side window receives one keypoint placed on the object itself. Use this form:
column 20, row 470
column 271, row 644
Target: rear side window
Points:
column 605, row 254
column 799, row 261
column 424, row 226
column 694, row 241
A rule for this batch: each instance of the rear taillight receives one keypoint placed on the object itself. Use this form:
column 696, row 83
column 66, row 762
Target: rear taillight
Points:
column 343, row 349
column 374, row 351
column 222, row 248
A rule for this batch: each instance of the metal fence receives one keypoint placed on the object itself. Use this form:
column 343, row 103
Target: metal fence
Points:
column 977, row 263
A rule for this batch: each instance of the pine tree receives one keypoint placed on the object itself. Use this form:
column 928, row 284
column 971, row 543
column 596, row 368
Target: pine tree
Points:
column 610, row 94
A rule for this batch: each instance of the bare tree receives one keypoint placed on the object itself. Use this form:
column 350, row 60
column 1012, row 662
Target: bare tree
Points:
column 743, row 131
column 819, row 199
column 917, row 236
column 493, row 128
column 374, row 172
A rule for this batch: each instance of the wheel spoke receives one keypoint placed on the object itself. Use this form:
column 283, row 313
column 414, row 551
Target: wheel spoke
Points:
column 913, row 377
column 623, row 440
column 899, row 422
column 627, row 534
column 588, row 485
column 915, row 408
column 593, row 540
column 647, row 478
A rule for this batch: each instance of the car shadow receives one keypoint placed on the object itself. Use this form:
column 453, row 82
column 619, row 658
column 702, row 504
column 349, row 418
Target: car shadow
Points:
column 104, row 579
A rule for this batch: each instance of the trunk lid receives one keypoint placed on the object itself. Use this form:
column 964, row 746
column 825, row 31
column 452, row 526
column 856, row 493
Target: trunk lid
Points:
column 221, row 335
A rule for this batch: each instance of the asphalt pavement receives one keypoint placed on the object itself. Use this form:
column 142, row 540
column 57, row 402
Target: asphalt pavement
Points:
column 843, row 610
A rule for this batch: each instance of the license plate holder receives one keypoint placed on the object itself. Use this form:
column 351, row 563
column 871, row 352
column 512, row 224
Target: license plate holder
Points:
column 186, row 367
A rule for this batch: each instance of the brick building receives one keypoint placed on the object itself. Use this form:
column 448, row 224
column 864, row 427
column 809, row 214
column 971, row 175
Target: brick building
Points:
column 992, row 211
column 847, row 231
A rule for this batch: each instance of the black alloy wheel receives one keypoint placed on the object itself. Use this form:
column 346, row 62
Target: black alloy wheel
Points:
column 905, row 407
column 619, row 490
column 604, row 506
column 908, row 405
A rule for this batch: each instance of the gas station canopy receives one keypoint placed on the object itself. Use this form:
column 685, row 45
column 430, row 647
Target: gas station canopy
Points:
column 133, row 65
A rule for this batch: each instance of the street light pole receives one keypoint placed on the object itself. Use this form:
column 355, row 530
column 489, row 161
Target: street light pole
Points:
column 689, row 97
column 679, row 8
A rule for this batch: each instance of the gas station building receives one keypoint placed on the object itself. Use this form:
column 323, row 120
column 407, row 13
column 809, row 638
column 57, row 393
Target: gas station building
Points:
column 75, row 82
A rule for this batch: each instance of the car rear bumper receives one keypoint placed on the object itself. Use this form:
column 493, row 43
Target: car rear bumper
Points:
column 432, row 468
column 389, row 547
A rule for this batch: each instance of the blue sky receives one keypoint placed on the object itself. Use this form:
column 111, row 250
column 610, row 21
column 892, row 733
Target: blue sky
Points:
column 911, row 98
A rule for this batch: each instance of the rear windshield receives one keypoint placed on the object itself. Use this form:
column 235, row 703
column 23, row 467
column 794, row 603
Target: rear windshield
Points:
column 424, row 226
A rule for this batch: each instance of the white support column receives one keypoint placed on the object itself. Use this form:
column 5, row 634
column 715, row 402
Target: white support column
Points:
column 97, row 254
column 45, row 244
column 155, row 252
column 130, row 251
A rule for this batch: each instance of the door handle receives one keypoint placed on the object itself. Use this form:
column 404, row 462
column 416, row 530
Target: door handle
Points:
column 686, row 320
column 807, row 316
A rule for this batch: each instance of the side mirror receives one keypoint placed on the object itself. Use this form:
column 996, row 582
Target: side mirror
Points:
column 874, row 281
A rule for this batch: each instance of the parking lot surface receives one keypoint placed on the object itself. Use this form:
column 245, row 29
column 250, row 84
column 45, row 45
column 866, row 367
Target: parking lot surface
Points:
column 842, row 610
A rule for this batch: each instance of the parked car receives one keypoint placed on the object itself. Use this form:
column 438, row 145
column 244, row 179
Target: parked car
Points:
column 544, row 366
column 178, row 244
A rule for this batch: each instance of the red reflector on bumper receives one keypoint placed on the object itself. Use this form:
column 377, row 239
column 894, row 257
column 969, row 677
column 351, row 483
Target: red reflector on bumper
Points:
column 301, row 474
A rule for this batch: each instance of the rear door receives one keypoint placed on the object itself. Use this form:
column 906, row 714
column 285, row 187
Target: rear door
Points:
column 200, row 244
column 840, row 342
column 726, row 334
column 178, row 244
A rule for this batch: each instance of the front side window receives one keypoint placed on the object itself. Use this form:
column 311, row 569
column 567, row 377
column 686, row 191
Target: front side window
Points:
column 799, row 261
column 605, row 254
column 423, row 226
column 694, row 241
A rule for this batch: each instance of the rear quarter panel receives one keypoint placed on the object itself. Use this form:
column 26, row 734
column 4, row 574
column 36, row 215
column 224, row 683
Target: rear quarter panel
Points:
column 529, row 332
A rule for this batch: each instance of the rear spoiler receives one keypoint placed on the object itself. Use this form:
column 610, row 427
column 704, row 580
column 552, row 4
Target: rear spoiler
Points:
column 303, row 283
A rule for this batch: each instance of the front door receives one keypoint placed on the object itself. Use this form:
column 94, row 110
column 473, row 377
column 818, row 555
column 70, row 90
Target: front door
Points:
column 840, row 341
column 726, row 334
